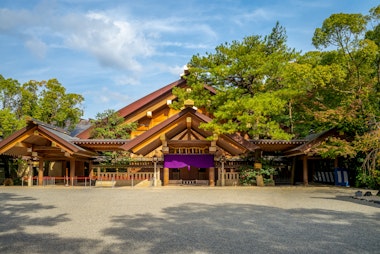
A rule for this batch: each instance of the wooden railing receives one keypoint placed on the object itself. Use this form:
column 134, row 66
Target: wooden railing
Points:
column 125, row 176
column 231, row 176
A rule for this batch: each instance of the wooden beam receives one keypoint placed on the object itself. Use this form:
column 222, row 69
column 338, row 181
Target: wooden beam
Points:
column 20, row 139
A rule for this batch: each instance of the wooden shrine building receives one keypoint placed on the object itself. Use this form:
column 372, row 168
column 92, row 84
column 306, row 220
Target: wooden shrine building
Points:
column 168, row 147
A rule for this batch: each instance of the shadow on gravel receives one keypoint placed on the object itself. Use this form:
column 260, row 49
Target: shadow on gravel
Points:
column 192, row 228
column 361, row 201
column 239, row 228
column 15, row 217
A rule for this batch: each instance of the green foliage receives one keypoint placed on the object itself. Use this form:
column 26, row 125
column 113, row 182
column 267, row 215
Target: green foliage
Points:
column 369, row 181
column 57, row 107
column 116, row 158
column 45, row 101
column 109, row 125
column 247, row 175
column 341, row 30
column 368, row 144
column 250, row 97
column 334, row 147
column 9, row 123
column 266, row 90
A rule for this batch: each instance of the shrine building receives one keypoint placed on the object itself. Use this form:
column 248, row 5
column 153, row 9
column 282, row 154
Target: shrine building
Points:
column 167, row 148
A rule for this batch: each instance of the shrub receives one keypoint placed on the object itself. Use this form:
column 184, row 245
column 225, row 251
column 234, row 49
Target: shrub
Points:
column 8, row 182
column 247, row 176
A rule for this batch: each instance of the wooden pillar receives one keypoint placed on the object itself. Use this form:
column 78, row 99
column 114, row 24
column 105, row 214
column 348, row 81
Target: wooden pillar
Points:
column 30, row 177
column 305, row 171
column 159, row 176
column 293, row 169
column 40, row 172
column 211, row 176
column 223, row 174
column 72, row 171
column 257, row 155
column 166, row 176
column 90, row 169
column 336, row 164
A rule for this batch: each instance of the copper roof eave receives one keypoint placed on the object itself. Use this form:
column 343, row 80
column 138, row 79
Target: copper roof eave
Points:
column 13, row 137
column 100, row 141
column 277, row 145
column 102, row 144
column 129, row 109
column 242, row 141
column 308, row 144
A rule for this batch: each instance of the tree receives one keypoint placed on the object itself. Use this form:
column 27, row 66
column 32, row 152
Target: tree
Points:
column 45, row 101
column 9, row 89
column 28, row 99
column 57, row 107
column 110, row 125
column 9, row 123
column 357, row 95
column 369, row 146
column 247, row 76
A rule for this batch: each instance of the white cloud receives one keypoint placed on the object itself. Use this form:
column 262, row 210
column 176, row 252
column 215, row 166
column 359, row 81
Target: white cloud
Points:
column 123, row 80
column 115, row 43
column 176, row 70
column 37, row 47
column 115, row 40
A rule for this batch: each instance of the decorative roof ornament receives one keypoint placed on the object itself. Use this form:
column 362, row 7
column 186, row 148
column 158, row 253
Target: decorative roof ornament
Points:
column 188, row 103
column 185, row 71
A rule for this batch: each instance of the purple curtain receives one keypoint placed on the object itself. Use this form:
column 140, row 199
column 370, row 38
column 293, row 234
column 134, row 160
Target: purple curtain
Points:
column 187, row 160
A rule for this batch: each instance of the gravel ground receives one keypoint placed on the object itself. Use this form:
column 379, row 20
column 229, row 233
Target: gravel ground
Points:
column 187, row 220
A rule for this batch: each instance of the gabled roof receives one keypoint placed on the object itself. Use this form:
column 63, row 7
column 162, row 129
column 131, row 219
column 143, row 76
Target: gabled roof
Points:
column 141, row 104
column 47, row 140
column 310, row 142
column 150, row 98
column 151, row 139
column 147, row 103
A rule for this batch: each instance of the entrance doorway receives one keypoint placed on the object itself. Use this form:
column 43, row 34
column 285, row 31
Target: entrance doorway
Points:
column 188, row 168
column 188, row 173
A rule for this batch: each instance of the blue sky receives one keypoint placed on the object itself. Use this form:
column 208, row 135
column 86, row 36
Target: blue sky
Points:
column 115, row 52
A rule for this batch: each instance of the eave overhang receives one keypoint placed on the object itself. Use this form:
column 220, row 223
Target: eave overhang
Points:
column 151, row 139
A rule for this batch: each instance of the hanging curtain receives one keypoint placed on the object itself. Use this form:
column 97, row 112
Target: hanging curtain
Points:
column 187, row 160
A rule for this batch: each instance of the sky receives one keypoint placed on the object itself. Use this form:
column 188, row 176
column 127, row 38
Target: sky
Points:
column 113, row 52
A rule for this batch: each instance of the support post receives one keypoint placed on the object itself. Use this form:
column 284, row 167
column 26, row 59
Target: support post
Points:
column 72, row 171
column 166, row 176
column 211, row 176
column 292, row 173
column 30, row 177
column 155, row 171
column 336, row 164
column 223, row 174
column 305, row 171
column 40, row 172
column 90, row 169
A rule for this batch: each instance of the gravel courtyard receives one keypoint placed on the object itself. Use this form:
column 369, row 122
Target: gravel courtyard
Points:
column 187, row 220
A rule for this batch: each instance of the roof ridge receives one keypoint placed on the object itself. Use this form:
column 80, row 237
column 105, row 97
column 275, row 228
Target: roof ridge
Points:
column 46, row 125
